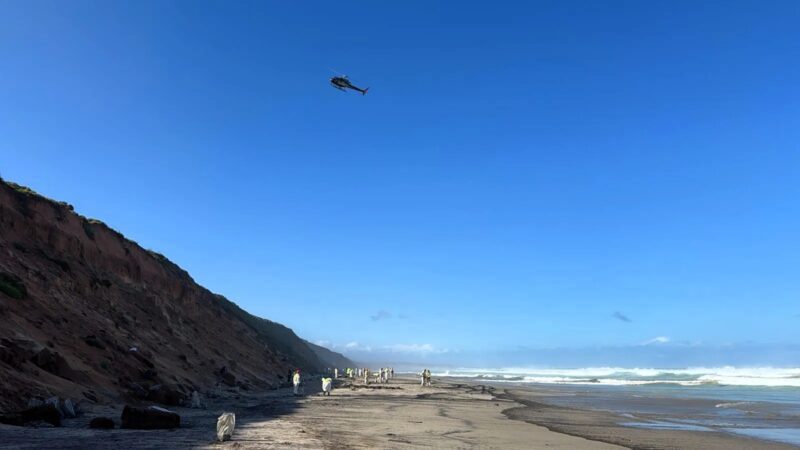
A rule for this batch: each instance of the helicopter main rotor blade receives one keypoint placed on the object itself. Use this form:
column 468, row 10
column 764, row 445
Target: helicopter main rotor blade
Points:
column 342, row 75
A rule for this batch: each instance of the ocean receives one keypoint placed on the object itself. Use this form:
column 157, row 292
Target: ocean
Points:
column 760, row 402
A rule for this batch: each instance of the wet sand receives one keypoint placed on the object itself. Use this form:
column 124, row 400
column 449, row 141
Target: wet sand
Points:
column 398, row 415
column 605, row 426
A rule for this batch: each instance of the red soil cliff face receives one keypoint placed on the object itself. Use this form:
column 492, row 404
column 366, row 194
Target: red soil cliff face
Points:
column 88, row 314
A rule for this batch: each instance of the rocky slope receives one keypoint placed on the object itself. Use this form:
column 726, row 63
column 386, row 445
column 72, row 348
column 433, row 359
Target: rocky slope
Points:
column 88, row 314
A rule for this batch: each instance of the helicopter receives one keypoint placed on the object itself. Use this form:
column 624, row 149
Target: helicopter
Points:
column 342, row 83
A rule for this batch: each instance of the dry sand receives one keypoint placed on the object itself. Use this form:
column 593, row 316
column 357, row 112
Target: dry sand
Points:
column 398, row 415
column 404, row 415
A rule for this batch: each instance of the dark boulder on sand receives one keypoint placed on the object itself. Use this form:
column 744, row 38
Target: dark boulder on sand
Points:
column 43, row 413
column 65, row 407
column 151, row 418
column 103, row 423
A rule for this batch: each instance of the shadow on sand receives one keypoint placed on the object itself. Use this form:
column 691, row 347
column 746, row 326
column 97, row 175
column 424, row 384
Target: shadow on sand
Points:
column 198, row 426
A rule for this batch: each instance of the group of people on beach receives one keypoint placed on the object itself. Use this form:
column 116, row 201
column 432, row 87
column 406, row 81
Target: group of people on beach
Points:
column 295, row 382
column 382, row 375
column 425, row 377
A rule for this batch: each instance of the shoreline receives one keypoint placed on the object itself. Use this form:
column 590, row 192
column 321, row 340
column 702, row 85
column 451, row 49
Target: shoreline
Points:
column 400, row 414
column 606, row 426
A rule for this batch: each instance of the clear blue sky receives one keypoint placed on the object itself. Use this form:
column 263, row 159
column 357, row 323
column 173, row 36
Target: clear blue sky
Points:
column 534, row 174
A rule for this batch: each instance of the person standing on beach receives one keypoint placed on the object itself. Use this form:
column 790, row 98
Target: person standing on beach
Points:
column 327, row 386
column 296, row 381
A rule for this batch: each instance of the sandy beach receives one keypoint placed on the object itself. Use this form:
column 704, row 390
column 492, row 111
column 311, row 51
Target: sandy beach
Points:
column 398, row 415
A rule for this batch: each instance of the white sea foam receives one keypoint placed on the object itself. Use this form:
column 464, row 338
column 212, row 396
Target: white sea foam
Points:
column 619, row 376
column 732, row 404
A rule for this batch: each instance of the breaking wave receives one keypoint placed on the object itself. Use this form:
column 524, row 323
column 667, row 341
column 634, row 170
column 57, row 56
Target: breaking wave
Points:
column 616, row 376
